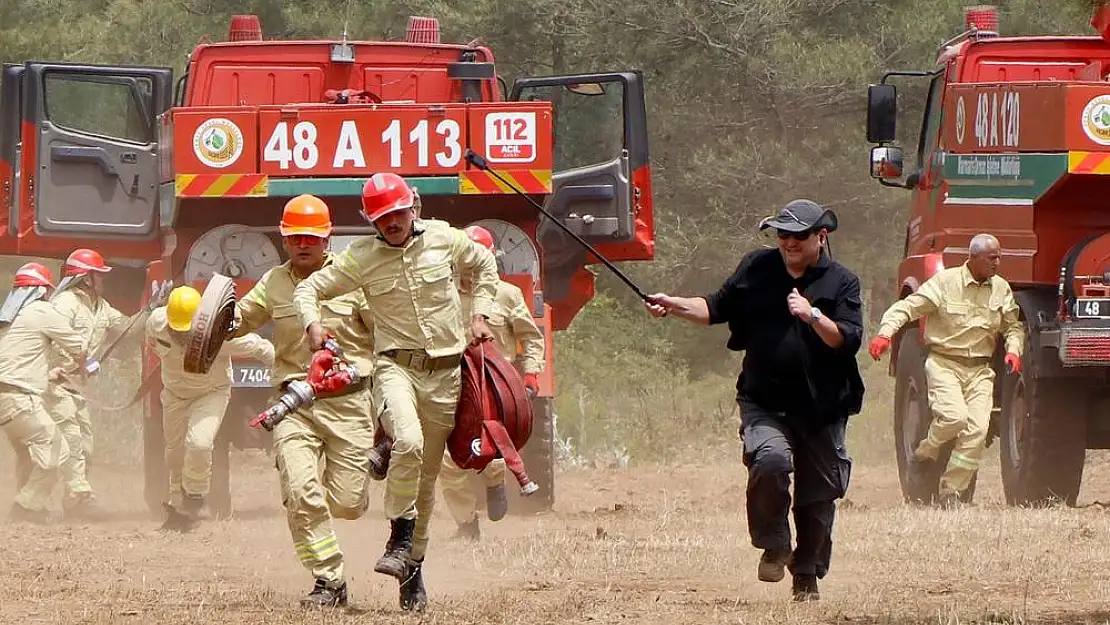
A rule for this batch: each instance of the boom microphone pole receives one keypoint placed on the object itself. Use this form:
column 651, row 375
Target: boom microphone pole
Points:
column 478, row 161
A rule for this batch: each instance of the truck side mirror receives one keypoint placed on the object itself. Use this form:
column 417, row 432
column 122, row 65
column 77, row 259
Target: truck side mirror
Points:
column 886, row 162
column 882, row 113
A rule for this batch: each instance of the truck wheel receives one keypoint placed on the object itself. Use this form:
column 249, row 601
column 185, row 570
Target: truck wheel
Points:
column 538, row 455
column 219, row 495
column 1044, row 440
column 912, row 416
column 155, row 481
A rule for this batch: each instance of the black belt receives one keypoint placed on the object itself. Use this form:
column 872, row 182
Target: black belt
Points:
column 419, row 359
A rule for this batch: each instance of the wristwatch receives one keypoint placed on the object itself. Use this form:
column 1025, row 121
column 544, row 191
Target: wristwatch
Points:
column 815, row 316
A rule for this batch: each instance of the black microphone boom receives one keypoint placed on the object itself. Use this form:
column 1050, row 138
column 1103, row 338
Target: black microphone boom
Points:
column 480, row 162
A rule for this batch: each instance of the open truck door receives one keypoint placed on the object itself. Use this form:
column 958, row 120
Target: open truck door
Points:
column 90, row 162
column 11, row 117
column 601, row 187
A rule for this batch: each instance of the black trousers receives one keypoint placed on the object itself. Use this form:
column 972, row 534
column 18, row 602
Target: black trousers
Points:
column 776, row 446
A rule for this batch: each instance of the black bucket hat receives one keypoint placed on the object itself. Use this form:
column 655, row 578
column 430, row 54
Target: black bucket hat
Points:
column 800, row 216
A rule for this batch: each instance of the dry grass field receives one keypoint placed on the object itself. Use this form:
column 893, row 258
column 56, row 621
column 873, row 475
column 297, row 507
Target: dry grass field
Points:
column 638, row 546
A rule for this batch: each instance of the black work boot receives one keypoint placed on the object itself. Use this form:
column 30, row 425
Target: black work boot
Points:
column 379, row 459
column 413, row 596
column 326, row 594
column 84, row 506
column 394, row 561
column 176, row 520
column 20, row 514
column 949, row 501
column 772, row 565
column 193, row 506
column 468, row 531
column 497, row 502
column 805, row 588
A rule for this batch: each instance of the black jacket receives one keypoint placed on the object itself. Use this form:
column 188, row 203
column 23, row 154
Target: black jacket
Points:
column 787, row 367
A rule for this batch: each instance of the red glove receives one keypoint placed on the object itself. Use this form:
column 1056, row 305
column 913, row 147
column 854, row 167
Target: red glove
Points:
column 532, row 383
column 879, row 344
column 1013, row 362
column 322, row 362
column 332, row 383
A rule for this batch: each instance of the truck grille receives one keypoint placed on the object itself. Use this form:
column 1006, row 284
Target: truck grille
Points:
column 1084, row 346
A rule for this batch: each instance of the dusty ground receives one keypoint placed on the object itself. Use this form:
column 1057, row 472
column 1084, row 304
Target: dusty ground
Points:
column 632, row 546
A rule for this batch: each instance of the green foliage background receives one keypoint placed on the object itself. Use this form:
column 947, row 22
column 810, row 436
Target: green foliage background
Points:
column 751, row 103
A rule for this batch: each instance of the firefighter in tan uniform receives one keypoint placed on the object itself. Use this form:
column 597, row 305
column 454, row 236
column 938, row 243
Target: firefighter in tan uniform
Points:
column 511, row 323
column 193, row 404
column 34, row 326
column 966, row 309
column 79, row 298
column 406, row 274
column 333, row 434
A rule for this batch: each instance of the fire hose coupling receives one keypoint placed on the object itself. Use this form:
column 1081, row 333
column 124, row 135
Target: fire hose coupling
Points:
column 329, row 372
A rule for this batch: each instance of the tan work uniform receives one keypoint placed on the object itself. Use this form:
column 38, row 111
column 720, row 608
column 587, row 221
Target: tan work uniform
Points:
column 194, row 404
column 512, row 326
column 67, row 406
column 23, row 373
column 335, row 431
column 419, row 338
column 963, row 320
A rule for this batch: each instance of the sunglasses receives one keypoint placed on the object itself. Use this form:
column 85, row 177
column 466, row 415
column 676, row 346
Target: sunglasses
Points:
column 304, row 240
column 797, row 236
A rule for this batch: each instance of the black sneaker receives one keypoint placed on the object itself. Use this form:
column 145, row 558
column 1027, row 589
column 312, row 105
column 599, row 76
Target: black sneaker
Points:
column 326, row 595
column 772, row 565
column 805, row 588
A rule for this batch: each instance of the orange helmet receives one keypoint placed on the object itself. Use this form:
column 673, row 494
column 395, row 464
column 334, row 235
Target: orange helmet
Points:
column 306, row 214
column 385, row 193
column 83, row 260
column 33, row 274
column 480, row 235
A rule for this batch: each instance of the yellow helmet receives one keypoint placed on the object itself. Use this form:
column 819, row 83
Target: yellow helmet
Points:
column 182, row 305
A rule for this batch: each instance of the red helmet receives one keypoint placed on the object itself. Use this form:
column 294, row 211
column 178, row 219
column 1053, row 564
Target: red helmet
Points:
column 385, row 193
column 33, row 274
column 480, row 235
column 84, row 260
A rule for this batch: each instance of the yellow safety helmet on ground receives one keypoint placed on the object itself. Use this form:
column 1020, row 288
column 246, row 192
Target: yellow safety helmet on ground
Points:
column 182, row 305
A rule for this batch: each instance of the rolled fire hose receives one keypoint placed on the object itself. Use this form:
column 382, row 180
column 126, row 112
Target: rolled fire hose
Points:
column 211, row 324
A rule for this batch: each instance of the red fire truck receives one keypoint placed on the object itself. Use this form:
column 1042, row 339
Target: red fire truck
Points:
column 175, row 179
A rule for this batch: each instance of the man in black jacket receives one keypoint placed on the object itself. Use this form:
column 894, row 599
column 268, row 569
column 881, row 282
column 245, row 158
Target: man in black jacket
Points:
column 797, row 315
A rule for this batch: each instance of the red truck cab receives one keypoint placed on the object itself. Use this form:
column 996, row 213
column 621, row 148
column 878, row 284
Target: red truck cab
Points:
column 1014, row 141
column 181, row 178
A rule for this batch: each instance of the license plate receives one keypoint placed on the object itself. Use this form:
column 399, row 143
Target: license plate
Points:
column 251, row 376
column 1092, row 308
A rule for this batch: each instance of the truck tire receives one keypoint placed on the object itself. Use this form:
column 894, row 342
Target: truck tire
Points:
column 912, row 416
column 1044, row 440
column 219, row 494
column 539, row 461
column 155, row 481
